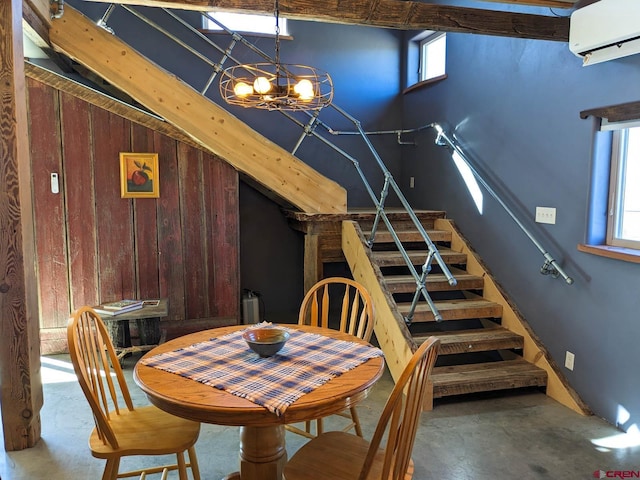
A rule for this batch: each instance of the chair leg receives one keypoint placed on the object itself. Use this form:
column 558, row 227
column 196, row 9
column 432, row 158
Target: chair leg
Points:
column 427, row 405
column 410, row 468
column 307, row 426
column 298, row 431
column 356, row 421
column 182, row 466
column 111, row 469
column 193, row 460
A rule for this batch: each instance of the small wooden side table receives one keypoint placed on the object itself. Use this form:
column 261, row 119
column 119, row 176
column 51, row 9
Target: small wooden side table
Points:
column 148, row 323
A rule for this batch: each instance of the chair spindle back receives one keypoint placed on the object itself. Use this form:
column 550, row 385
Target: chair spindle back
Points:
column 356, row 307
column 98, row 370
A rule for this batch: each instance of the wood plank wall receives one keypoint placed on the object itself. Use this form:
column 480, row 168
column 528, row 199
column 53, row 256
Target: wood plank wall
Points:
column 93, row 246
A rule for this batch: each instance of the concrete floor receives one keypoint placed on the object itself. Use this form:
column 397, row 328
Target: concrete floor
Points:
column 517, row 436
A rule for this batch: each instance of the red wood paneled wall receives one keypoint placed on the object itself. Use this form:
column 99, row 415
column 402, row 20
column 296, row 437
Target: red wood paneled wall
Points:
column 93, row 246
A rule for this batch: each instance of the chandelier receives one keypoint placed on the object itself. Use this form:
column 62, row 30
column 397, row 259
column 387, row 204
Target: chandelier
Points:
column 276, row 86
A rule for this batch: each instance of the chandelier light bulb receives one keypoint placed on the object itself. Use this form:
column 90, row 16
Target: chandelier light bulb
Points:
column 304, row 89
column 261, row 85
column 276, row 86
column 242, row 89
column 271, row 86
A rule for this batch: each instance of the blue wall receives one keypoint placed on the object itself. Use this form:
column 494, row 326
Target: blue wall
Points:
column 515, row 104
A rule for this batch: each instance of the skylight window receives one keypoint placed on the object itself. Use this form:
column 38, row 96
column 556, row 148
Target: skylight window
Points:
column 246, row 23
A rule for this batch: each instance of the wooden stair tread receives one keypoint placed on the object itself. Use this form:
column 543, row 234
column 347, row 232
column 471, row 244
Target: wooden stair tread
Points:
column 458, row 309
column 435, row 282
column 399, row 212
column 484, row 377
column 384, row 236
column 399, row 218
column 394, row 258
column 475, row 340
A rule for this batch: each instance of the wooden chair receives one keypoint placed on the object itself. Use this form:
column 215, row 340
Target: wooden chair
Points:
column 122, row 430
column 342, row 456
column 355, row 317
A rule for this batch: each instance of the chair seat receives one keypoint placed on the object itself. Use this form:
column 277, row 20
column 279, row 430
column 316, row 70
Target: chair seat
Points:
column 347, row 453
column 146, row 431
column 342, row 456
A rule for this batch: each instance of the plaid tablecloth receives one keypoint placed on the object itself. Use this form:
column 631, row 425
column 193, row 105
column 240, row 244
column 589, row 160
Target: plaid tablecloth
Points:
column 306, row 362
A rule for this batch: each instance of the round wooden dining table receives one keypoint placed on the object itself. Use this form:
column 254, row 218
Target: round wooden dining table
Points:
column 262, row 433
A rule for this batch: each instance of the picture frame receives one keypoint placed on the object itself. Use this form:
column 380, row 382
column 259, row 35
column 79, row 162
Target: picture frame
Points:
column 139, row 175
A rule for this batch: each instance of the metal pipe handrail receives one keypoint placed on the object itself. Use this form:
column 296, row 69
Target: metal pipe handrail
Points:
column 309, row 129
column 550, row 266
column 433, row 253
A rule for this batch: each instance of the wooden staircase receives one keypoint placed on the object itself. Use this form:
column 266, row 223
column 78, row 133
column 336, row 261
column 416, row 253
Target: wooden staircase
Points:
column 487, row 345
column 477, row 354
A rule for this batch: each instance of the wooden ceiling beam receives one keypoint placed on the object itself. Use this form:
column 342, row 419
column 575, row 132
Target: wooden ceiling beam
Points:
column 396, row 14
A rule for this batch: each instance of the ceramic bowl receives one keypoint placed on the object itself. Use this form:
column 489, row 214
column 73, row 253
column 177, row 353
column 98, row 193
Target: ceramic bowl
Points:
column 266, row 342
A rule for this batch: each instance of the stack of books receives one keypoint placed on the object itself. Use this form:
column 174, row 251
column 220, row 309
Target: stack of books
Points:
column 116, row 308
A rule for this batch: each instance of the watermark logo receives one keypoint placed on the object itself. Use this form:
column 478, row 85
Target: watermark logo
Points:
column 616, row 474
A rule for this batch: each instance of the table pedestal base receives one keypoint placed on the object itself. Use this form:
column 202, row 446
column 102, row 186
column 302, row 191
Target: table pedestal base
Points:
column 263, row 453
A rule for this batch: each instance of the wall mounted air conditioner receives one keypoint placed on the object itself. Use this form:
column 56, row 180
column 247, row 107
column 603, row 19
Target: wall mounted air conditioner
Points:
column 605, row 30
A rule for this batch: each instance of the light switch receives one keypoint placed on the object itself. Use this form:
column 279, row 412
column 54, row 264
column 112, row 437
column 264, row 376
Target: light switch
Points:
column 546, row 215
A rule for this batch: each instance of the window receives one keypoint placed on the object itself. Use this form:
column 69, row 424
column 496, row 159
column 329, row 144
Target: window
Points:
column 246, row 23
column 426, row 58
column 623, row 225
column 613, row 227
column 433, row 56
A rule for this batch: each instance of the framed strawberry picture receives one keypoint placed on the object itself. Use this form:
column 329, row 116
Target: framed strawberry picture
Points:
column 139, row 175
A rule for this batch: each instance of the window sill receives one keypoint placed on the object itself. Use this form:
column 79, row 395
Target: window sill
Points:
column 618, row 253
column 424, row 83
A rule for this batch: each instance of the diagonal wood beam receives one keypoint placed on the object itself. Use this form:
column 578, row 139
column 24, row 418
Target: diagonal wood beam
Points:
column 396, row 14
column 105, row 102
column 205, row 122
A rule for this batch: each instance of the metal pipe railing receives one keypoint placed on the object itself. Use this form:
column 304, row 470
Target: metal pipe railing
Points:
column 550, row 266
column 432, row 251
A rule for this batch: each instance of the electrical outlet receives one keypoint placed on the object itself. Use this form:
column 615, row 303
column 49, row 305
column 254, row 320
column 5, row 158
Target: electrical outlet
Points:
column 412, row 182
column 569, row 360
column 546, row 215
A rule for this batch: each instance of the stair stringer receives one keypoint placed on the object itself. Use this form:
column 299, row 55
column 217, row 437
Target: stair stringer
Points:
column 391, row 331
column 534, row 352
column 207, row 123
